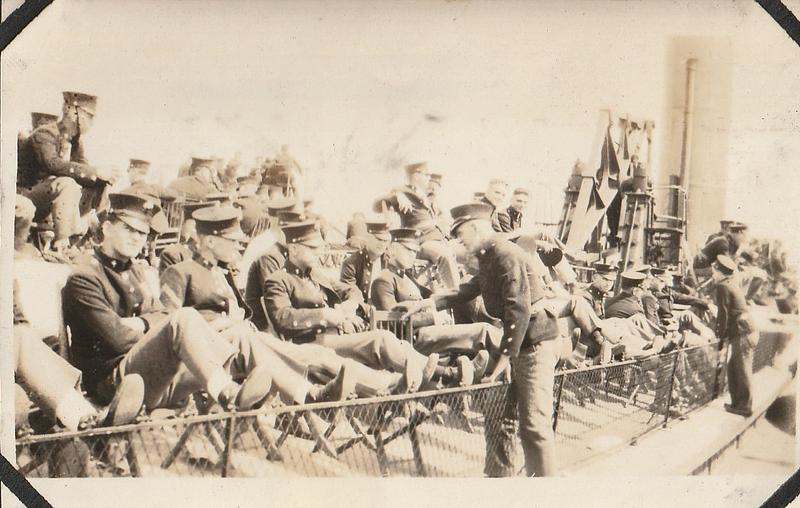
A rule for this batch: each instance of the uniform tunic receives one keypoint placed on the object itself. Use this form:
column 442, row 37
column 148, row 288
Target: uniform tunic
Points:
column 501, row 222
column 358, row 270
column 97, row 296
column 421, row 216
column 623, row 306
column 296, row 302
column 192, row 187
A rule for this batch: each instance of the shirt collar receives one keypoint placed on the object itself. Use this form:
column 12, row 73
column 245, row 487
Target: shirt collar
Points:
column 109, row 262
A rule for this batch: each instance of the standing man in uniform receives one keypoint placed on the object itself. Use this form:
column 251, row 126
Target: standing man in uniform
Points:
column 54, row 174
column 507, row 283
column 516, row 210
column 412, row 203
column 736, row 327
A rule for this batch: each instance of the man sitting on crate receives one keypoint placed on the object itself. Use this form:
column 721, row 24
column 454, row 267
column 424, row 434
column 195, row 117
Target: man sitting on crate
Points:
column 411, row 202
column 304, row 307
column 205, row 283
column 362, row 267
column 119, row 326
column 433, row 334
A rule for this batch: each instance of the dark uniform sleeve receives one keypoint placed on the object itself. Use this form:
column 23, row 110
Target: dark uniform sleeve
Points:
column 715, row 247
column 348, row 293
column 85, row 295
column 284, row 317
column 722, row 295
column 390, row 200
column 382, row 294
column 45, row 143
column 516, row 293
column 348, row 273
column 466, row 291
column 173, row 289
column 650, row 305
column 503, row 222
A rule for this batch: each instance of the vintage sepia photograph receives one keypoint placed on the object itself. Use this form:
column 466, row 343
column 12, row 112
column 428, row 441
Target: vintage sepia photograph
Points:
column 423, row 239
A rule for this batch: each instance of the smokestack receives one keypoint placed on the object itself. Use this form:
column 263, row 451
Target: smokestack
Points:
column 696, row 131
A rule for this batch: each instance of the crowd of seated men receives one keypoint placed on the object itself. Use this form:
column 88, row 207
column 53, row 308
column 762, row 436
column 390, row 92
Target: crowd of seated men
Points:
column 240, row 310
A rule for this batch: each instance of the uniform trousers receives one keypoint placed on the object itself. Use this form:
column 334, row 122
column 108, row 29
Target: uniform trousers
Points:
column 440, row 254
column 323, row 363
column 531, row 394
column 378, row 349
column 574, row 307
column 176, row 358
column 46, row 376
column 59, row 197
column 458, row 339
column 65, row 200
column 740, row 372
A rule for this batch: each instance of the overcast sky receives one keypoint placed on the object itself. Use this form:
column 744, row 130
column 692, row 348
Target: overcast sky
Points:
column 356, row 89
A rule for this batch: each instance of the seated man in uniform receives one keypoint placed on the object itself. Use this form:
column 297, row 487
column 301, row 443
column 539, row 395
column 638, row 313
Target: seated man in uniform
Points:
column 199, row 183
column 137, row 175
column 119, row 326
column 411, row 202
column 54, row 174
column 726, row 243
column 603, row 279
column 205, row 284
column 305, row 307
column 265, row 254
column 433, row 334
column 362, row 267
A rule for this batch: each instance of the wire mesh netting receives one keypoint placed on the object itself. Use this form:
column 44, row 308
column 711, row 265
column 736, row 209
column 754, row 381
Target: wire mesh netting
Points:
column 437, row 433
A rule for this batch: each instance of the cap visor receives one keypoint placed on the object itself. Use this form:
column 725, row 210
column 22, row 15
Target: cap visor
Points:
column 235, row 234
column 314, row 241
column 410, row 245
column 136, row 223
column 383, row 236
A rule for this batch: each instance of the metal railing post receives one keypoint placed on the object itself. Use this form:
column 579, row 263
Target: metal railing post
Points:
column 226, row 457
column 557, row 405
column 671, row 386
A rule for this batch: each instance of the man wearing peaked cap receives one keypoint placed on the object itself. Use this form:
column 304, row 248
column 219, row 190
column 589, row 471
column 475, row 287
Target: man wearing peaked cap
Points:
column 53, row 171
column 120, row 327
column 603, row 279
column 187, row 244
column 628, row 302
column 513, row 293
column 305, row 307
column 393, row 286
column 737, row 328
column 207, row 284
column 411, row 202
column 727, row 243
column 362, row 267
column 137, row 176
column 199, row 183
